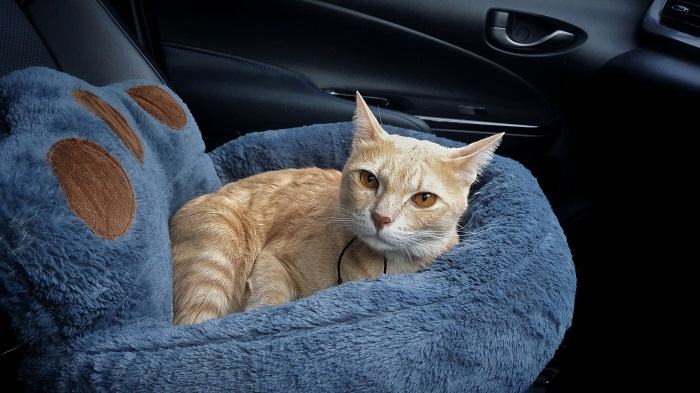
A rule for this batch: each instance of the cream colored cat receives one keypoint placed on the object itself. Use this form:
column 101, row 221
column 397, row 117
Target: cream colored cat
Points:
column 277, row 236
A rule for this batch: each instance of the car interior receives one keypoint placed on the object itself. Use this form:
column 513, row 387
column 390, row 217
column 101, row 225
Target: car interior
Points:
column 569, row 82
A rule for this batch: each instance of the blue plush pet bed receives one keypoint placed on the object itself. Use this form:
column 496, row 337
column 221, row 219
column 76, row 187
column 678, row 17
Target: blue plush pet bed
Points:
column 88, row 179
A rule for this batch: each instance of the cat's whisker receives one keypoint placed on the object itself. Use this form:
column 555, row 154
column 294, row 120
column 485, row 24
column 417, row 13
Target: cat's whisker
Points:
column 404, row 248
column 416, row 249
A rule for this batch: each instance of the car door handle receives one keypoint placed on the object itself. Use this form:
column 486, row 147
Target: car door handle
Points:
column 554, row 39
column 526, row 33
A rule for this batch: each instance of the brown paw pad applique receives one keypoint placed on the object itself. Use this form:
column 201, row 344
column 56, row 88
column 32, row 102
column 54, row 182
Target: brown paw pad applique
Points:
column 160, row 105
column 95, row 185
column 114, row 120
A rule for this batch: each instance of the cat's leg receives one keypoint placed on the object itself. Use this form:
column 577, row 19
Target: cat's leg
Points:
column 204, row 286
column 213, row 254
column 269, row 283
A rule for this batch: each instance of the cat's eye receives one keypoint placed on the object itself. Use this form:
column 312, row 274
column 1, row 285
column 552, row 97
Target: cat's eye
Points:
column 368, row 179
column 425, row 199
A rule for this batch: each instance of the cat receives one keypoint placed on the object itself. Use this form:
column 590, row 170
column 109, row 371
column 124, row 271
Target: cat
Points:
column 276, row 236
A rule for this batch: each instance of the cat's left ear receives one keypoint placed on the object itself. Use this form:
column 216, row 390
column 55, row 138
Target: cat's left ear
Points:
column 473, row 158
column 367, row 127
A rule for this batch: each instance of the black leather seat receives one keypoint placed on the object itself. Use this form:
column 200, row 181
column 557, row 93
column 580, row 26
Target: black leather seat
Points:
column 79, row 37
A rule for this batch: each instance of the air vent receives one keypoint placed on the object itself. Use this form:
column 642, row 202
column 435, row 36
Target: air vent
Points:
column 682, row 15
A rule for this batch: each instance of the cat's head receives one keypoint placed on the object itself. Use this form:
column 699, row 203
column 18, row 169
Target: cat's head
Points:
column 405, row 196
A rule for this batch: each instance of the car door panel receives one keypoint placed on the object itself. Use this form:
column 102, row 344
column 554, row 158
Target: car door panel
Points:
column 456, row 91
column 610, row 28
column 230, row 95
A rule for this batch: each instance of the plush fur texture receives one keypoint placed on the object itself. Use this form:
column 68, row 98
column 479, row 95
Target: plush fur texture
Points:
column 484, row 317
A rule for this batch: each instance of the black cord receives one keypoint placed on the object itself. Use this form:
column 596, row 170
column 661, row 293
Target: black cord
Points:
column 340, row 259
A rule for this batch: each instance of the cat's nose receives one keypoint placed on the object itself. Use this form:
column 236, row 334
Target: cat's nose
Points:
column 379, row 220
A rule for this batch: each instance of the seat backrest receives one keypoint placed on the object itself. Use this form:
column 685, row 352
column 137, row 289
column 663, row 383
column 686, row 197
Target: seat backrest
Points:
column 20, row 45
column 80, row 37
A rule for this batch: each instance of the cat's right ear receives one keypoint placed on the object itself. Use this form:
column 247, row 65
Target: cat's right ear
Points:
column 367, row 128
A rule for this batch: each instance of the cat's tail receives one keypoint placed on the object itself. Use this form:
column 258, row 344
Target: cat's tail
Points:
column 213, row 254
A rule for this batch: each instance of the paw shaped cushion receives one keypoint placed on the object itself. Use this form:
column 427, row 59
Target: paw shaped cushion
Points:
column 88, row 179
column 95, row 174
